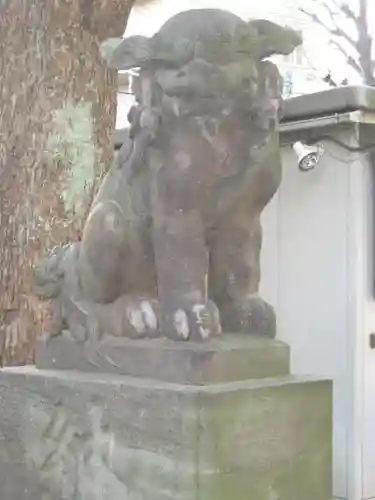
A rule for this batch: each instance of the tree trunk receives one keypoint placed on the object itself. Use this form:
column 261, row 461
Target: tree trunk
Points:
column 57, row 118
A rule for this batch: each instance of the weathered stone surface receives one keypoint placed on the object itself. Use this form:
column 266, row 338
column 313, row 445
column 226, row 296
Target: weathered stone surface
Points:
column 213, row 35
column 171, row 246
column 68, row 436
column 228, row 358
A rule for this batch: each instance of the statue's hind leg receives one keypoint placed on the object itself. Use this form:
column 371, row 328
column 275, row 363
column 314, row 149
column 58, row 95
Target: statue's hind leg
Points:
column 235, row 275
column 116, row 273
column 115, row 256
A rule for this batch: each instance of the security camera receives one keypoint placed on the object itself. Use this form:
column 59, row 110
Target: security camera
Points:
column 308, row 156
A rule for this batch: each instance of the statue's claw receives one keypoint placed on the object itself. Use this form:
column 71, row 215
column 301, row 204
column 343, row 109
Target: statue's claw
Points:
column 195, row 321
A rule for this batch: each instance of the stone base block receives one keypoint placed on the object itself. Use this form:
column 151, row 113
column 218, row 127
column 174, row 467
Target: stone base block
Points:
column 80, row 436
column 230, row 357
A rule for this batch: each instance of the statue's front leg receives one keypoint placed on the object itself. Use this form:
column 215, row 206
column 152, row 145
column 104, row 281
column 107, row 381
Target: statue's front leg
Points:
column 235, row 277
column 181, row 261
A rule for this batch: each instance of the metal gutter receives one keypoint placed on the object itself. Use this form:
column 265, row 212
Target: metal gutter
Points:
column 326, row 121
column 329, row 102
column 315, row 122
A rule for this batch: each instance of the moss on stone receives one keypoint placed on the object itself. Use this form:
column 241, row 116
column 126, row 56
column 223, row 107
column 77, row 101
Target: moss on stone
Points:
column 268, row 444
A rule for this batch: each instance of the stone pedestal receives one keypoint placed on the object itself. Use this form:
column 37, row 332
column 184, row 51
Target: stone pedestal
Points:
column 226, row 359
column 67, row 435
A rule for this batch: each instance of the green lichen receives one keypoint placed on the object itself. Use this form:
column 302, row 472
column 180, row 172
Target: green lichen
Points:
column 73, row 144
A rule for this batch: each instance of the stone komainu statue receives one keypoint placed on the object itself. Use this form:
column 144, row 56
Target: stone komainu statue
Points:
column 172, row 243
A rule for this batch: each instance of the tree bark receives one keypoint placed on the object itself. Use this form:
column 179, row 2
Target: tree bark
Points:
column 57, row 119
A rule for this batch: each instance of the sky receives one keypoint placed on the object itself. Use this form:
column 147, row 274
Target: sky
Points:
column 330, row 57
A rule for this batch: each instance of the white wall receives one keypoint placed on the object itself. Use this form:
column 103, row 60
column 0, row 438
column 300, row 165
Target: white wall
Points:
column 368, row 355
column 315, row 269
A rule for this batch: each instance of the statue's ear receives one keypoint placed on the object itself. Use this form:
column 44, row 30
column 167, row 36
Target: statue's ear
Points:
column 274, row 39
column 125, row 53
column 107, row 49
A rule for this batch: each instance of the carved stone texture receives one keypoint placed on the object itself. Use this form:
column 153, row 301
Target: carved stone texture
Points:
column 172, row 243
column 69, row 436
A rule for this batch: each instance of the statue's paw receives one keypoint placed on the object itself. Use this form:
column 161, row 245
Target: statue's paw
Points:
column 79, row 333
column 195, row 322
column 142, row 318
column 253, row 315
